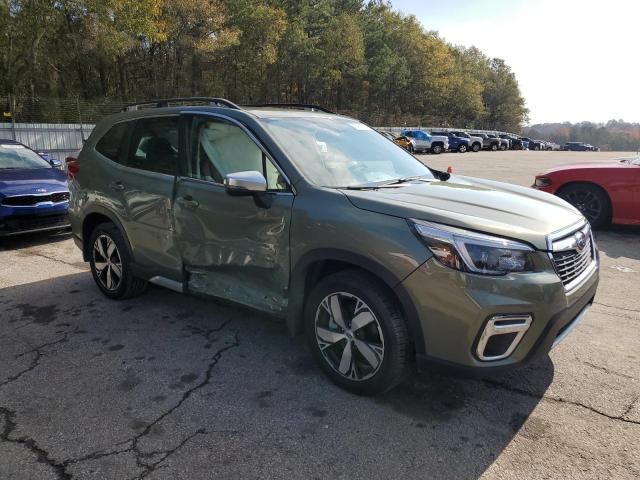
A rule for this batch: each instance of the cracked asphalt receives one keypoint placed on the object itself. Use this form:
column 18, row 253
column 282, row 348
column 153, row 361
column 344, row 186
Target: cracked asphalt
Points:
column 166, row 386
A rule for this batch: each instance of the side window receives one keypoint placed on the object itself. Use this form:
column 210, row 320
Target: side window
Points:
column 154, row 145
column 219, row 148
column 112, row 142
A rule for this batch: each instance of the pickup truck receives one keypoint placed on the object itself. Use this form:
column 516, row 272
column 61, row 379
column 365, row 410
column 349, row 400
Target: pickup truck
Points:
column 489, row 142
column 533, row 144
column 456, row 143
column 504, row 142
column 476, row 141
column 423, row 142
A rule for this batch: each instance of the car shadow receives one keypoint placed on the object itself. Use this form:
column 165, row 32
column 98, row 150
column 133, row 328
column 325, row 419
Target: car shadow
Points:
column 619, row 241
column 163, row 365
column 16, row 242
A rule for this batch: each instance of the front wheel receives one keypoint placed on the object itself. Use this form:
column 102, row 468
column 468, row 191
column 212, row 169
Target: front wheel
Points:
column 357, row 333
column 462, row 148
column 590, row 200
column 503, row 147
column 111, row 264
column 436, row 149
column 476, row 147
column 494, row 147
column 411, row 148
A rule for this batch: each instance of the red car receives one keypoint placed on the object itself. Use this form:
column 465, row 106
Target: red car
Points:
column 607, row 192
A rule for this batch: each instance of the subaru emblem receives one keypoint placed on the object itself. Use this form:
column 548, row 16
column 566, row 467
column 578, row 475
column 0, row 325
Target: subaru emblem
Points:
column 581, row 240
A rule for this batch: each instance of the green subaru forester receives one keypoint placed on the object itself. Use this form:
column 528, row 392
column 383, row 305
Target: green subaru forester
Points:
column 379, row 260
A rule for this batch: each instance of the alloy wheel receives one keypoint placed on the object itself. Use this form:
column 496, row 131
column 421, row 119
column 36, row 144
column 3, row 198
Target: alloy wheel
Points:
column 349, row 336
column 107, row 262
column 586, row 202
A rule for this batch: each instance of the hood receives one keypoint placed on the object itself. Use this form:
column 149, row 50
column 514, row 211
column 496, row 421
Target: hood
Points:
column 483, row 205
column 590, row 166
column 30, row 181
column 439, row 138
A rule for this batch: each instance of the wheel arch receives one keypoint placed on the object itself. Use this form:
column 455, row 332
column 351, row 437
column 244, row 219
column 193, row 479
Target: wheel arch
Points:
column 94, row 218
column 317, row 264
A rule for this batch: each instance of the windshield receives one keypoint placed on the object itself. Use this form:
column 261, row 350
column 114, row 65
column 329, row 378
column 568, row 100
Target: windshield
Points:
column 18, row 156
column 339, row 152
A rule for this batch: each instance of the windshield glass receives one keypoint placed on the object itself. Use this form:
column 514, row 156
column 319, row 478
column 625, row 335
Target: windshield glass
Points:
column 340, row 152
column 17, row 156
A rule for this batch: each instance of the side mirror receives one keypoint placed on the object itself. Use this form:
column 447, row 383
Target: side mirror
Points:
column 245, row 183
column 55, row 162
column 44, row 155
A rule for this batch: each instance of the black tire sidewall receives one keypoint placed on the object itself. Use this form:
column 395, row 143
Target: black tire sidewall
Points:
column 396, row 340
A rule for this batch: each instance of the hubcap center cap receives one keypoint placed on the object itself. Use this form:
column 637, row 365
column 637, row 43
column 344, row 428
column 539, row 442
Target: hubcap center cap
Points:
column 349, row 335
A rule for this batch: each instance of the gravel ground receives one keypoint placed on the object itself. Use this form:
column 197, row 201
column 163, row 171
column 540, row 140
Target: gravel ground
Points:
column 166, row 386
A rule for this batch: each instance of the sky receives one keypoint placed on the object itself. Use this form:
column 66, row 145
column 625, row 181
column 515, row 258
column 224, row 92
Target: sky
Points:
column 575, row 60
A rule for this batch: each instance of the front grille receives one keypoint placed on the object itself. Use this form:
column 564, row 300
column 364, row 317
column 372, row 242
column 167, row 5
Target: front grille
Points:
column 570, row 264
column 31, row 200
column 33, row 222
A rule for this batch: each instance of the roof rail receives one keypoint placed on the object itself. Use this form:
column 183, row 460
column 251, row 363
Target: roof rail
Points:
column 300, row 106
column 212, row 101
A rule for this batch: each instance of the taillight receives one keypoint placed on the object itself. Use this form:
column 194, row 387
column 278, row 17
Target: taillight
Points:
column 72, row 167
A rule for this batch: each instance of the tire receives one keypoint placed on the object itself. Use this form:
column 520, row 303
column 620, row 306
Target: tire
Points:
column 590, row 200
column 462, row 148
column 503, row 147
column 410, row 148
column 476, row 147
column 436, row 149
column 494, row 147
column 339, row 351
column 537, row 148
column 103, row 238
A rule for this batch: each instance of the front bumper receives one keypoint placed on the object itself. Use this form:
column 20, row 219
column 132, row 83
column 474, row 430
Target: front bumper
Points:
column 16, row 221
column 453, row 309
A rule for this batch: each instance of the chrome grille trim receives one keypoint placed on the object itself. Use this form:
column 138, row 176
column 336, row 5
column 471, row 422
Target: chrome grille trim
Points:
column 34, row 199
column 572, row 263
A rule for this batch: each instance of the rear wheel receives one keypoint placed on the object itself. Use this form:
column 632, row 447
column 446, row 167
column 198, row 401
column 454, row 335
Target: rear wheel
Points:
column 357, row 333
column 494, row 147
column 590, row 200
column 476, row 147
column 111, row 264
column 411, row 148
column 503, row 147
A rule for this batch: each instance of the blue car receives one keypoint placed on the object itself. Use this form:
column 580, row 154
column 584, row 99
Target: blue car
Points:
column 33, row 191
column 456, row 143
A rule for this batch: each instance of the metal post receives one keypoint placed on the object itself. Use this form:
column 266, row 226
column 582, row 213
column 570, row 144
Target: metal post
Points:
column 80, row 117
column 12, row 112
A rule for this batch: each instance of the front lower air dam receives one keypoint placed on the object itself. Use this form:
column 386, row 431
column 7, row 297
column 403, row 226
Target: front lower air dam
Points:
column 501, row 336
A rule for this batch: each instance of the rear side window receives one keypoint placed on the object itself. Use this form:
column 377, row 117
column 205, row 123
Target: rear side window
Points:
column 112, row 143
column 154, row 145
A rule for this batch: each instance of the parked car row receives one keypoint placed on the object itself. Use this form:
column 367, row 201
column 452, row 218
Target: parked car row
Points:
column 446, row 140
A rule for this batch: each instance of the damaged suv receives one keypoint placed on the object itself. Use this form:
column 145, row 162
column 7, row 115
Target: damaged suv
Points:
column 378, row 259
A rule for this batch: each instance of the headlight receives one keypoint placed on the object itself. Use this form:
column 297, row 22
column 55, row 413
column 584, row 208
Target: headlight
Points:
column 542, row 181
column 474, row 252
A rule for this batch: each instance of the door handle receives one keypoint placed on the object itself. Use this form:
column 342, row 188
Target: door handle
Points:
column 118, row 186
column 188, row 201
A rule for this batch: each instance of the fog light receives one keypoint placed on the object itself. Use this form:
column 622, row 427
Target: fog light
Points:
column 501, row 336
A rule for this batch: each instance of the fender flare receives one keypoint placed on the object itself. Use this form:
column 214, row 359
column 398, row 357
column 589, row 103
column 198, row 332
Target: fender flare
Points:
column 100, row 210
column 297, row 293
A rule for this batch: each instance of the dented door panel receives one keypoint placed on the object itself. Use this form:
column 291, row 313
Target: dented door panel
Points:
column 233, row 248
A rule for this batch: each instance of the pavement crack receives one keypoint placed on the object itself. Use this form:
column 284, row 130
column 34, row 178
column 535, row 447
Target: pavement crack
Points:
column 635, row 310
column 35, row 361
column 53, row 259
column 510, row 388
column 6, row 435
column 610, row 372
column 132, row 445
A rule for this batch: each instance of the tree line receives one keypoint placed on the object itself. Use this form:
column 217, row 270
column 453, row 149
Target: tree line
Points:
column 615, row 135
column 354, row 56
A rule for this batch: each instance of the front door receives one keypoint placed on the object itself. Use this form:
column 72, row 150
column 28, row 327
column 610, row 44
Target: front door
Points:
column 233, row 247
